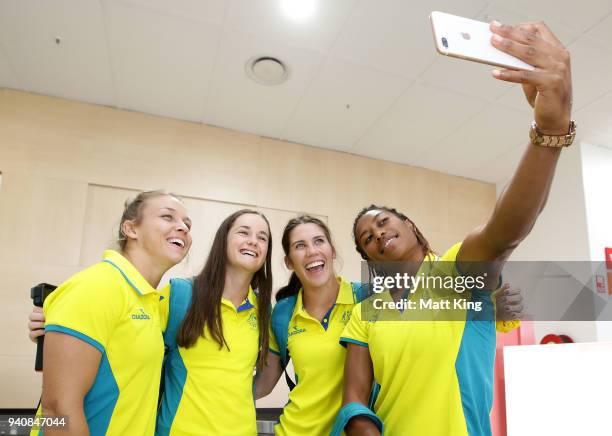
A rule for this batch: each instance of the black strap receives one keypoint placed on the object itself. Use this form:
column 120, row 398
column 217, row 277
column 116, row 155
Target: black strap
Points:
column 290, row 382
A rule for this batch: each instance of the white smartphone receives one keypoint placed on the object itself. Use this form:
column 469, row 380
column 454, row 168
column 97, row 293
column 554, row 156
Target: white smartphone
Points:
column 468, row 39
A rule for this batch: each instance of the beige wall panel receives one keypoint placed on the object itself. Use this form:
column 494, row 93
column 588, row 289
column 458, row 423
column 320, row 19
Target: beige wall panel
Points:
column 348, row 263
column 41, row 220
column 113, row 147
column 353, row 182
column 68, row 168
column 20, row 389
column 441, row 242
column 21, row 386
column 426, row 199
column 294, row 177
column 101, row 223
column 470, row 204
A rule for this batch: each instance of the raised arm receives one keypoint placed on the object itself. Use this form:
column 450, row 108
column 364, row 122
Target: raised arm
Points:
column 358, row 378
column 70, row 369
column 549, row 91
column 266, row 379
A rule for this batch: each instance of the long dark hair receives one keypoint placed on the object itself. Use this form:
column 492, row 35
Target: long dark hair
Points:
column 205, row 309
column 424, row 243
column 294, row 285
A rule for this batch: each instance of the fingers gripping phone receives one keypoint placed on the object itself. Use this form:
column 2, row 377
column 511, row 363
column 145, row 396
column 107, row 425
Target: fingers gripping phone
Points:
column 469, row 39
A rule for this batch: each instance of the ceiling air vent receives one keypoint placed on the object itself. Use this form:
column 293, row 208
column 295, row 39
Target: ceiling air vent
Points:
column 267, row 70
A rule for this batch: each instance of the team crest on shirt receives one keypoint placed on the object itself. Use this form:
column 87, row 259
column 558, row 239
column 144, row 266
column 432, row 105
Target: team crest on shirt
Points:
column 252, row 321
column 295, row 330
column 346, row 317
column 141, row 314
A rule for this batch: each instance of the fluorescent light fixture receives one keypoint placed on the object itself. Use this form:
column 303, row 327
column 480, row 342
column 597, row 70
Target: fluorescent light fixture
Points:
column 299, row 10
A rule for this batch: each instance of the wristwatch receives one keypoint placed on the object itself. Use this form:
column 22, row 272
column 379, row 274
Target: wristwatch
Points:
column 555, row 141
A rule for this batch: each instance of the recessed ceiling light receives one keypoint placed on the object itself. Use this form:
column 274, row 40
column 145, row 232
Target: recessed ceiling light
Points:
column 267, row 70
column 299, row 10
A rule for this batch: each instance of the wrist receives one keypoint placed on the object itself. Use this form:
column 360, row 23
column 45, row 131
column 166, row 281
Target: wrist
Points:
column 552, row 137
column 555, row 129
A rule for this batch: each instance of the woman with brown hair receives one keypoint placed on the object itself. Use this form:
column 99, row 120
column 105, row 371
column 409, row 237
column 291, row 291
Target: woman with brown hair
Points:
column 222, row 318
column 310, row 315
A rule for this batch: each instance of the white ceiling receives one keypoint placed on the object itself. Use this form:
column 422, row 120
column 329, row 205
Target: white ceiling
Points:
column 365, row 77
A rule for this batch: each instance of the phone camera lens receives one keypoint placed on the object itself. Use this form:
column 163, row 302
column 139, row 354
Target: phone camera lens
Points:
column 444, row 42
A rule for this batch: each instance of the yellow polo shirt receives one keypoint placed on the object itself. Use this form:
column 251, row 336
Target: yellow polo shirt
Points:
column 318, row 360
column 436, row 376
column 113, row 308
column 208, row 388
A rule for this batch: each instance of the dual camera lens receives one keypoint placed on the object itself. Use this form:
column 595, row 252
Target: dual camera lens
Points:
column 444, row 42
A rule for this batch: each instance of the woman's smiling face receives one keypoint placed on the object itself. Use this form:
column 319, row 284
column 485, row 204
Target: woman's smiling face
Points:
column 385, row 237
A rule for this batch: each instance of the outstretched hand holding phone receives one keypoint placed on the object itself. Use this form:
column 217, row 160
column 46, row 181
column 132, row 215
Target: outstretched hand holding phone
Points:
column 548, row 87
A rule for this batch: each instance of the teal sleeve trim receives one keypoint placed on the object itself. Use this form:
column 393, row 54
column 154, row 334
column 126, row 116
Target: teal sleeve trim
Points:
column 175, row 376
column 344, row 341
column 350, row 411
column 474, row 366
column 76, row 334
column 100, row 402
column 180, row 299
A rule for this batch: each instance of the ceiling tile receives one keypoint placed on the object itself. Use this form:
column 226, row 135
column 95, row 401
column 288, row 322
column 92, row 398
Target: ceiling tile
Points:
column 341, row 103
column 211, row 11
column 579, row 16
column 469, row 78
column 7, row 76
column 239, row 103
column 494, row 11
column 77, row 67
column 395, row 35
column 478, row 141
column 162, row 63
column 591, row 66
column 515, row 98
column 504, row 15
column 500, row 168
column 422, row 117
column 603, row 31
column 265, row 18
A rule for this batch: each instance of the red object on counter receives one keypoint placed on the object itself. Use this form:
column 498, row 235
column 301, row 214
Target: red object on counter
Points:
column 551, row 339
column 556, row 339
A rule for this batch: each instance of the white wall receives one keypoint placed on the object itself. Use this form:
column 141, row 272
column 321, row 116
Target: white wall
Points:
column 560, row 390
column 561, row 234
column 597, row 172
